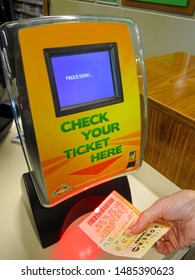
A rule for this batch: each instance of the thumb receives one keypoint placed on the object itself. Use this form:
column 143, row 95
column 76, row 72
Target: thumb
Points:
column 146, row 217
column 141, row 223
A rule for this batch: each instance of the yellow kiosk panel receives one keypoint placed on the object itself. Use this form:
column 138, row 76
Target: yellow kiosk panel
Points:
column 84, row 100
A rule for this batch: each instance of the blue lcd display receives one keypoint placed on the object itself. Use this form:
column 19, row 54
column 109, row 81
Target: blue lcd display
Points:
column 84, row 77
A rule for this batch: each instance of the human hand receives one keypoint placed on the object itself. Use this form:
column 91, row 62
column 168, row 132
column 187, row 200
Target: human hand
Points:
column 177, row 210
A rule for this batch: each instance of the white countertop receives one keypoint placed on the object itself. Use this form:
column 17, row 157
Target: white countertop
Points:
column 18, row 239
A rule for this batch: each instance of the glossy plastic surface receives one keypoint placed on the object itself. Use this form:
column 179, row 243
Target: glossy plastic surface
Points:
column 17, row 88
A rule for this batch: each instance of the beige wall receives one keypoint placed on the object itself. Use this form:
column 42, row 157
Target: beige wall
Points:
column 161, row 33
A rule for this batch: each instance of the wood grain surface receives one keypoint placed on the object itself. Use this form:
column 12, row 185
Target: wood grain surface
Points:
column 170, row 146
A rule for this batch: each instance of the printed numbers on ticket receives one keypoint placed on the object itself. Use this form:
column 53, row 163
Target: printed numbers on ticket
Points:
column 108, row 226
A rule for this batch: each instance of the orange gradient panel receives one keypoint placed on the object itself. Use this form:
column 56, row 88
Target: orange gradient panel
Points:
column 108, row 148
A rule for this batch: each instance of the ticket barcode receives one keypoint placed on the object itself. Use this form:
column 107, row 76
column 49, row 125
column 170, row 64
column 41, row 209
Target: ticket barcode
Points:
column 101, row 211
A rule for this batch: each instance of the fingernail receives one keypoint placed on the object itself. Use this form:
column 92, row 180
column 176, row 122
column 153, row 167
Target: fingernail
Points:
column 157, row 243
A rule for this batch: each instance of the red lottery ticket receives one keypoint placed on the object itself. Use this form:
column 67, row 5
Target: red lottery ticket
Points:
column 108, row 226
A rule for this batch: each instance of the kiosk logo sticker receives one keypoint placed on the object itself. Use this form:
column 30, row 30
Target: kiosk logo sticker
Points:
column 61, row 190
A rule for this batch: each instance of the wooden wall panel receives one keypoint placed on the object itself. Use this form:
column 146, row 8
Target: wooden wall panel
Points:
column 170, row 148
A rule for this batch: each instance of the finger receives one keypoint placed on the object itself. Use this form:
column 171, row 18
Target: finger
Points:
column 159, row 245
column 164, row 247
column 142, row 222
column 153, row 213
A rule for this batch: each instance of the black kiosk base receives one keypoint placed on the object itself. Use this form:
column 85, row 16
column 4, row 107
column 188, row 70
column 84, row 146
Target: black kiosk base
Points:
column 50, row 223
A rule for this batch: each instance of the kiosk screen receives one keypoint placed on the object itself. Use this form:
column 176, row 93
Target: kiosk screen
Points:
column 84, row 77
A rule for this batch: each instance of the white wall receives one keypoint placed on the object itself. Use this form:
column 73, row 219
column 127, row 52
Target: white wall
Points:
column 161, row 33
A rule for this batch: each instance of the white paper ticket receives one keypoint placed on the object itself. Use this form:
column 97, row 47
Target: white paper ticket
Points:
column 108, row 226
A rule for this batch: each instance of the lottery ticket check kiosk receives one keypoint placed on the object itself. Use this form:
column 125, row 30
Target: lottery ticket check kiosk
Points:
column 78, row 92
